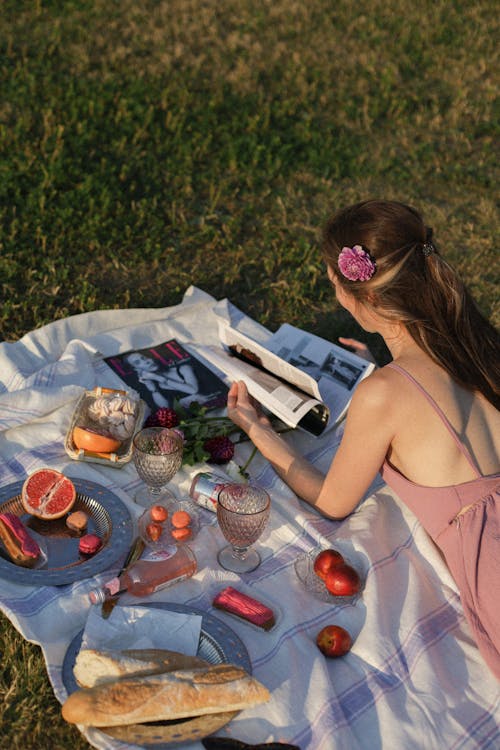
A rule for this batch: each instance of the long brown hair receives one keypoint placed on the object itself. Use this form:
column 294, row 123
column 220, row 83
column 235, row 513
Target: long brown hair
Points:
column 413, row 284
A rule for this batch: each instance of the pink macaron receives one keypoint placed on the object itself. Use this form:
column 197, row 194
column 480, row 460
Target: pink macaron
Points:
column 89, row 544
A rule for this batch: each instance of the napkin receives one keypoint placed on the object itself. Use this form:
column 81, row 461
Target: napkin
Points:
column 142, row 627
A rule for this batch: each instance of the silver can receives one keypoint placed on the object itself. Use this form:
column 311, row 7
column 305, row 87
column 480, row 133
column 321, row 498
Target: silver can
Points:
column 205, row 489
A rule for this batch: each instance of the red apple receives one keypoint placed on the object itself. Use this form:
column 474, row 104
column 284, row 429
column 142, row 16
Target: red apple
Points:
column 333, row 641
column 159, row 513
column 327, row 559
column 342, row 580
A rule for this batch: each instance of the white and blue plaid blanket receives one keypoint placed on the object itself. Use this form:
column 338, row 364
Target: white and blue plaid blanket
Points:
column 414, row 678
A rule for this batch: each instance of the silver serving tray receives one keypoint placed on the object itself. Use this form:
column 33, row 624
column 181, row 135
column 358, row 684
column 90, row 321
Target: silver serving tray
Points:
column 62, row 562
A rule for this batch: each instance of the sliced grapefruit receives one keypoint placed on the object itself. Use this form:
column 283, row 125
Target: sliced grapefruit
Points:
column 48, row 494
column 96, row 442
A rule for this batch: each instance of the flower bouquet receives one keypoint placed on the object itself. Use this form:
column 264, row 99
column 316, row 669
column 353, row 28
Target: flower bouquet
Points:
column 210, row 439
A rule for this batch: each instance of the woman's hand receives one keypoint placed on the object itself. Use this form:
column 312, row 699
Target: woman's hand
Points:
column 149, row 378
column 299, row 474
column 244, row 411
column 359, row 348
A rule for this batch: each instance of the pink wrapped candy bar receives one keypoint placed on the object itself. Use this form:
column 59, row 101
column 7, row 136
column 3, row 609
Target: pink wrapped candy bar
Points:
column 239, row 604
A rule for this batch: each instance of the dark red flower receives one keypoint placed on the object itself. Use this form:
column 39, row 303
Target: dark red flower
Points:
column 162, row 418
column 220, row 448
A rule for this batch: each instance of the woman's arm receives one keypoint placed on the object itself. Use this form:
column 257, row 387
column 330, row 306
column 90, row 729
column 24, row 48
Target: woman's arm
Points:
column 189, row 376
column 182, row 379
column 150, row 381
column 149, row 378
column 295, row 470
column 368, row 434
column 366, row 440
column 160, row 400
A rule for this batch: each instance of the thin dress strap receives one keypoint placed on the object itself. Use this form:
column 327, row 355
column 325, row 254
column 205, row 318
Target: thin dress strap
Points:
column 440, row 413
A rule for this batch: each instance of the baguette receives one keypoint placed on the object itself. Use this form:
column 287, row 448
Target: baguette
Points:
column 169, row 696
column 94, row 667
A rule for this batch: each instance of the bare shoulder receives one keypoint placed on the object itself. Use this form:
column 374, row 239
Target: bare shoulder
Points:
column 377, row 390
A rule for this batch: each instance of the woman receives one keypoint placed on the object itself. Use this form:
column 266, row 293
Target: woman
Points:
column 164, row 386
column 429, row 420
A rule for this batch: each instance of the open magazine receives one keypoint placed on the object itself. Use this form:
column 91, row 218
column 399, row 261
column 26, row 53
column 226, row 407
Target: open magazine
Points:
column 304, row 380
column 166, row 373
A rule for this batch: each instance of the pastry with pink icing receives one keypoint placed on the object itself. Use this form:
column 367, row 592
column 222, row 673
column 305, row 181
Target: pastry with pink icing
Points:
column 19, row 545
column 236, row 603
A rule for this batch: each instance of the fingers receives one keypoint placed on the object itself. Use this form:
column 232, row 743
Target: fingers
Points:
column 359, row 347
column 237, row 395
column 352, row 342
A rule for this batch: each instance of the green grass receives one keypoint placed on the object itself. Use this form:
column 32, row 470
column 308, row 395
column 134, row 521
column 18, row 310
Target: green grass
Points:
column 148, row 146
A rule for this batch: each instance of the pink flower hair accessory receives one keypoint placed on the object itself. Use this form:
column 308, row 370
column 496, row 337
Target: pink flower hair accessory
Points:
column 355, row 264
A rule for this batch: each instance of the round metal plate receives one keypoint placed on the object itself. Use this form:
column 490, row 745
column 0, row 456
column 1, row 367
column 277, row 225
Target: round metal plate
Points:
column 108, row 518
column 218, row 643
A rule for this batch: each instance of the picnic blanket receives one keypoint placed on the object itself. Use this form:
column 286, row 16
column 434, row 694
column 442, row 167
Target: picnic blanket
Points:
column 414, row 678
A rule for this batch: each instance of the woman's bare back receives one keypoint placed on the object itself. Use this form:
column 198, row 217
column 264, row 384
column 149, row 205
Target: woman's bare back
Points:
column 423, row 449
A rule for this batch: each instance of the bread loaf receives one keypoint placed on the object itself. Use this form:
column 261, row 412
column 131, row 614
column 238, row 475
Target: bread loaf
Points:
column 93, row 667
column 169, row 696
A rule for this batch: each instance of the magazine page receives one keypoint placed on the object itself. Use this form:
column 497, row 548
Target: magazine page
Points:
column 263, row 356
column 335, row 370
column 167, row 372
column 288, row 403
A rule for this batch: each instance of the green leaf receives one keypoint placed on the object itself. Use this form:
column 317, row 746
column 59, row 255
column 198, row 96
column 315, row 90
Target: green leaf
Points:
column 200, row 454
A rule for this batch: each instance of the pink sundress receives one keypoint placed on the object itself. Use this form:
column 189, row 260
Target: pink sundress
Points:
column 469, row 541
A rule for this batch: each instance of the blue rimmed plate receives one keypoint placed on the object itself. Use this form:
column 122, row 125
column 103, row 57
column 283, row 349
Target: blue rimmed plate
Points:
column 108, row 518
column 218, row 642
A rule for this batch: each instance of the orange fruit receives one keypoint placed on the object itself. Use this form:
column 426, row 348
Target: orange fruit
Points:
column 159, row 513
column 180, row 519
column 154, row 531
column 182, row 534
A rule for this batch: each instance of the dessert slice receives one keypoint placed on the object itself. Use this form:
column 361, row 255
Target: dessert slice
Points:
column 20, row 546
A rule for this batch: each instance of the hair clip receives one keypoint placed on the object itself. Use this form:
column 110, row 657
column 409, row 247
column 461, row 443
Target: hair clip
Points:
column 428, row 248
column 356, row 264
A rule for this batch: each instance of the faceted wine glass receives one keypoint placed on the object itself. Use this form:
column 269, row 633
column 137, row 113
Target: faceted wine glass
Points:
column 242, row 512
column 157, row 457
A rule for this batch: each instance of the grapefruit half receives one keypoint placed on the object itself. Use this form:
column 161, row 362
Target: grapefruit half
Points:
column 96, row 442
column 48, row 494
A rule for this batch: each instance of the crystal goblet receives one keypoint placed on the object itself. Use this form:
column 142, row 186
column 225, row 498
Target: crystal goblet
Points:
column 242, row 512
column 157, row 457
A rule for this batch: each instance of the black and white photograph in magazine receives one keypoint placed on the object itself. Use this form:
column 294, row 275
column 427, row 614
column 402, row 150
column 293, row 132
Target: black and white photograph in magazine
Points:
column 167, row 373
column 332, row 367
